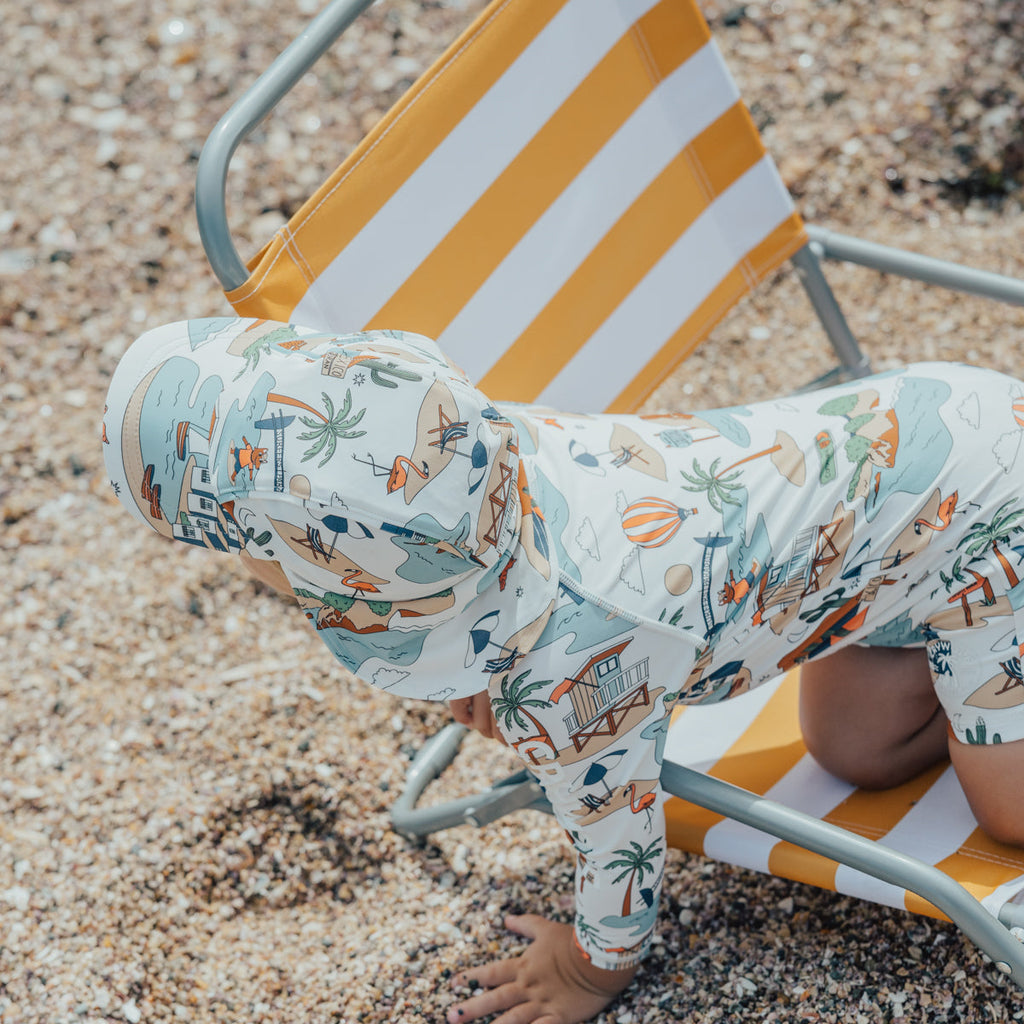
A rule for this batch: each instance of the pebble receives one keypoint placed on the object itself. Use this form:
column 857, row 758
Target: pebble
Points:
column 17, row 896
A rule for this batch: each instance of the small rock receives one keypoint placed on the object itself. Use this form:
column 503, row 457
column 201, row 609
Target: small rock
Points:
column 16, row 896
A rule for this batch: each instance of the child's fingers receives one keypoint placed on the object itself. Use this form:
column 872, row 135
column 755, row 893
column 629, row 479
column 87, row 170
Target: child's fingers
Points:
column 462, row 711
column 509, row 1001
column 498, row 972
column 475, row 713
column 483, row 720
column 497, row 995
column 529, row 926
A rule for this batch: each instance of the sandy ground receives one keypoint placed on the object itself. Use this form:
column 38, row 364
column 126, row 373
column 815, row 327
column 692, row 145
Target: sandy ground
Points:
column 193, row 799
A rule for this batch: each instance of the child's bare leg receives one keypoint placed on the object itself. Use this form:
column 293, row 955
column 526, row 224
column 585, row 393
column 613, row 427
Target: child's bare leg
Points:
column 990, row 775
column 870, row 715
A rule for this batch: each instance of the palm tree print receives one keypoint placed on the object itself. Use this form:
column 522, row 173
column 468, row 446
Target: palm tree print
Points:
column 512, row 706
column 956, row 575
column 263, row 344
column 585, row 930
column 983, row 536
column 326, row 428
column 717, row 485
column 636, row 862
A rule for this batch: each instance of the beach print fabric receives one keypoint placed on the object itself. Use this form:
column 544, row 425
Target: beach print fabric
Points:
column 388, row 488
column 590, row 571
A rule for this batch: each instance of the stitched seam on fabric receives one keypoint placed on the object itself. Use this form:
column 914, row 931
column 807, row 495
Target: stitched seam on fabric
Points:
column 990, row 858
column 859, row 827
column 714, row 315
column 702, row 176
column 571, row 584
column 298, row 257
column 640, row 41
column 383, row 135
column 983, row 855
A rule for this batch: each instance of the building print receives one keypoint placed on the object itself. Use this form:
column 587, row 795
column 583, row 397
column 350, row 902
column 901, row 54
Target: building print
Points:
column 201, row 519
column 815, row 550
column 602, row 694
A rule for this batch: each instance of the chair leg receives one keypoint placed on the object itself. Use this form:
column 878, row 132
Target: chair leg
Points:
column 873, row 858
column 890, row 260
column 853, row 362
column 519, row 792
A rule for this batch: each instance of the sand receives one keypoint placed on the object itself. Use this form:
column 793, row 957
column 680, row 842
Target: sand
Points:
column 193, row 797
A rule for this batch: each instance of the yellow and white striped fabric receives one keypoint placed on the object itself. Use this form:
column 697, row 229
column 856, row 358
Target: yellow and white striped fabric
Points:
column 568, row 201
column 575, row 185
column 754, row 741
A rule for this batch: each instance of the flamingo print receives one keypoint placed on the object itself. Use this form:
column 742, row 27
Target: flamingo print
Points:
column 361, row 586
column 644, row 804
column 944, row 516
column 399, row 472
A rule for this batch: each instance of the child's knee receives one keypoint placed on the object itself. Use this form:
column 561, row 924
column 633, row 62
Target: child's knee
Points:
column 848, row 759
column 990, row 776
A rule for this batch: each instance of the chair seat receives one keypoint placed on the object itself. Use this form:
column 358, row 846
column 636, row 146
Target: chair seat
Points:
column 754, row 741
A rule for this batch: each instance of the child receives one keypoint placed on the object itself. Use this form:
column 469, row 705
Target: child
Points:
column 564, row 580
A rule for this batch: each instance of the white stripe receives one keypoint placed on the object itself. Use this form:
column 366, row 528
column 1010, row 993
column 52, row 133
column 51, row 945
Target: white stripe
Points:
column 702, row 733
column 739, row 219
column 438, row 193
column 1005, row 893
column 694, row 96
column 933, row 829
column 805, row 787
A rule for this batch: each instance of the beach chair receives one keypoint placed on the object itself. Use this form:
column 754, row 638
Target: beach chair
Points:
column 570, row 174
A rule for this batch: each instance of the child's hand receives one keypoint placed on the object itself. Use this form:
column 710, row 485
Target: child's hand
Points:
column 475, row 713
column 549, row 983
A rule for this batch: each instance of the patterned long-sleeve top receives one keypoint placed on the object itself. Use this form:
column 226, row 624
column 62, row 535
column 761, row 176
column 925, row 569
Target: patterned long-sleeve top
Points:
column 589, row 571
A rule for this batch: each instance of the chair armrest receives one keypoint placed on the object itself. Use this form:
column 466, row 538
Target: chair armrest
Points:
column 245, row 113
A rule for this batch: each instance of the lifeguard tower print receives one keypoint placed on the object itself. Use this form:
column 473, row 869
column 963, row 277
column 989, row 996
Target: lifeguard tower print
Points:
column 814, row 560
column 603, row 693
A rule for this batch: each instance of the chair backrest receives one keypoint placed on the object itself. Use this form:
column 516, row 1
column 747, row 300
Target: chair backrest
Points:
column 568, row 200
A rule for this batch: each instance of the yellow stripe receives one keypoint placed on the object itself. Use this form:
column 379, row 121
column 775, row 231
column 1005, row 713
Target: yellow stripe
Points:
column 658, row 43
column 788, row 861
column 644, row 233
column 768, row 748
column 873, row 814
column 760, row 261
column 397, row 145
column 869, row 814
column 980, row 865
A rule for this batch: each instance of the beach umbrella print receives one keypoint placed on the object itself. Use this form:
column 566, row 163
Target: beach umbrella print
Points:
column 477, row 461
column 339, row 525
column 596, row 771
column 480, row 636
column 480, row 640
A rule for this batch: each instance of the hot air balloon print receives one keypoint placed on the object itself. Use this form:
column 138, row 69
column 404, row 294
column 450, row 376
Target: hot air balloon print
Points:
column 651, row 522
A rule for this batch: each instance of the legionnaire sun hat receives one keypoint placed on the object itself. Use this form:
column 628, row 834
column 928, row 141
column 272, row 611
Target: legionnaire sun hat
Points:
column 387, row 487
